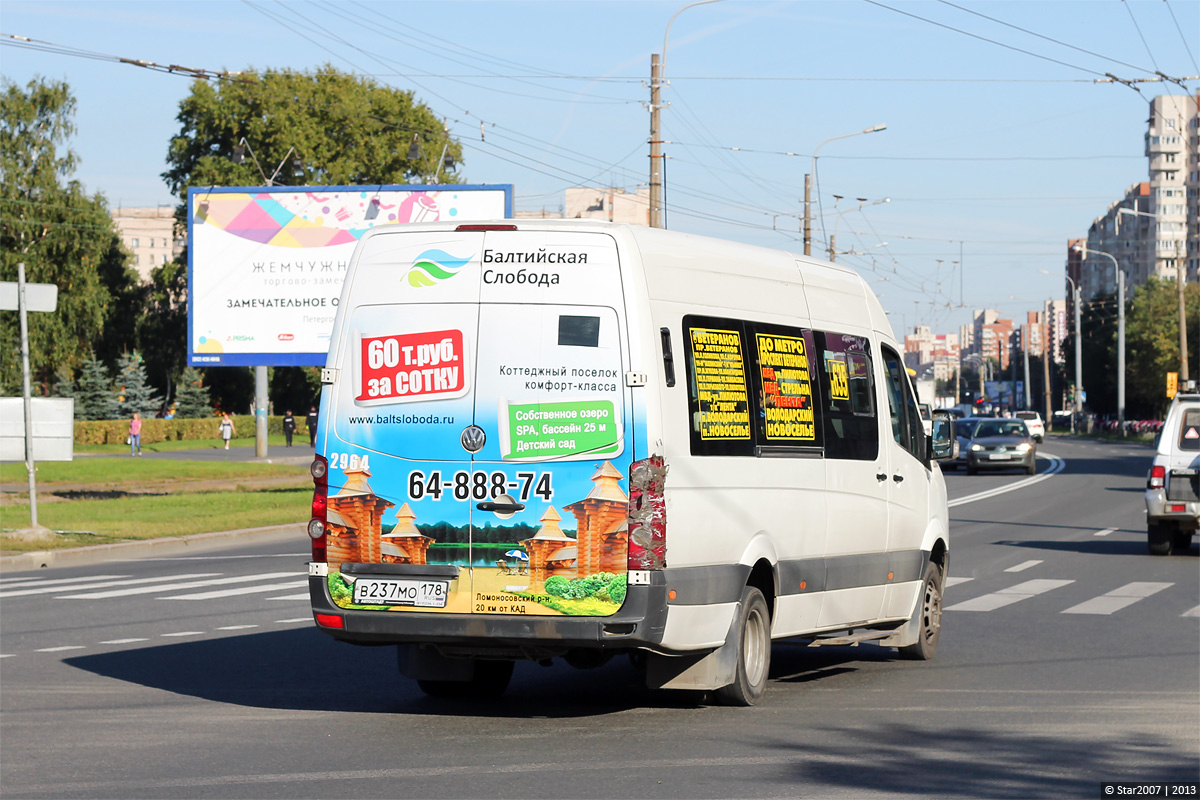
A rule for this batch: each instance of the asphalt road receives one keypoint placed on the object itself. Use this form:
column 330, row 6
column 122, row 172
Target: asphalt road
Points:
column 1068, row 657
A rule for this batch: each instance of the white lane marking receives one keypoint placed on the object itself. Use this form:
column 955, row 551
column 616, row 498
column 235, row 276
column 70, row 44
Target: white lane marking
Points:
column 1195, row 612
column 240, row 590
column 99, row 582
column 293, row 619
column 59, row 649
column 1024, row 565
column 956, row 581
column 16, row 579
column 1006, row 597
column 1105, row 532
column 304, row 596
column 174, row 586
column 1117, row 599
column 31, row 581
column 236, row 627
column 130, row 640
column 7, row 655
column 183, row 633
column 1057, row 465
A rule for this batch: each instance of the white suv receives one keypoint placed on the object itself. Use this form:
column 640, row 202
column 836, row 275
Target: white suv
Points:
column 1173, row 486
column 1033, row 421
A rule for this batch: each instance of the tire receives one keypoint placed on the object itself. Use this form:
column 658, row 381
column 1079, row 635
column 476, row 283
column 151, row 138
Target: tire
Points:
column 1159, row 539
column 928, row 616
column 489, row 681
column 752, row 634
column 1181, row 540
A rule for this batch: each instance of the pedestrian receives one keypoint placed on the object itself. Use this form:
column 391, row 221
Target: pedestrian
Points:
column 311, row 421
column 226, row 429
column 135, row 435
column 289, row 427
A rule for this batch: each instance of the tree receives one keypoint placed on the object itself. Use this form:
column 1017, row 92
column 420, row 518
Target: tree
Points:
column 345, row 129
column 134, row 393
column 62, row 235
column 1152, row 345
column 93, row 392
column 294, row 388
column 191, row 396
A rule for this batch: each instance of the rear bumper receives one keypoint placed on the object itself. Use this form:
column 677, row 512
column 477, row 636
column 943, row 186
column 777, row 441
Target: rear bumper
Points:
column 640, row 623
column 1159, row 510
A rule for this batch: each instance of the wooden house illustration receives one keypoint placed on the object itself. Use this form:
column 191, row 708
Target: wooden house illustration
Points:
column 355, row 520
column 550, row 550
column 404, row 544
column 601, row 524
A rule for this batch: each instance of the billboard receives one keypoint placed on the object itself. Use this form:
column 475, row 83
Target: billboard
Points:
column 266, row 263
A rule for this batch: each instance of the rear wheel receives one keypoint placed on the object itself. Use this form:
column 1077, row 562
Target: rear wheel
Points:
column 1181, row 540
column 1159, row 539
column 490, row 680
column 753, row 637
column 928, row 616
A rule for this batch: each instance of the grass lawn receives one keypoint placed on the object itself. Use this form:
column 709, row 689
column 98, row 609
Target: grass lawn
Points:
column 100, row 500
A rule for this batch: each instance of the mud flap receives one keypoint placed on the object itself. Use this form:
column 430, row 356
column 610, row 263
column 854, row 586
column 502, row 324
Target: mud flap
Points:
column 697, row 671
column 908, row 633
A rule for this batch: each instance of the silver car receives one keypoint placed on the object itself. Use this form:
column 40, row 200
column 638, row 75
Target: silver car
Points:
column 1001, row 444
column 1173, row 486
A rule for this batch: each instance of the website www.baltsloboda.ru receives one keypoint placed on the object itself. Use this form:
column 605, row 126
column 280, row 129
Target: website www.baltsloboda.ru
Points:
column 401, row 419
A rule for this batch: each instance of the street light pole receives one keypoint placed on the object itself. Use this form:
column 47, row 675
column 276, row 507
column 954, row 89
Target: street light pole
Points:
column 658, row 177
column 808, row 181
column 1077, row 405
column 1120, row 334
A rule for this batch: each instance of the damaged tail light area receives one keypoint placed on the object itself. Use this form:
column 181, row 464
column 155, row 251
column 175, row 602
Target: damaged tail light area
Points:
column 316, row 526
column 647, row 514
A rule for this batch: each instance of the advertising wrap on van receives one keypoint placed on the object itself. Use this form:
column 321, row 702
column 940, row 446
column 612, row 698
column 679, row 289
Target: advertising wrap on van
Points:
column 481, row 433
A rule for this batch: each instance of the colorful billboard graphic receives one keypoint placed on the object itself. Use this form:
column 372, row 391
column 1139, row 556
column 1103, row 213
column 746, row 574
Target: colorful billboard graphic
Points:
column 266, row 264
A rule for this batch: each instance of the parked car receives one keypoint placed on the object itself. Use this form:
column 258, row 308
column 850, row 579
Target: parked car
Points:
column 1173, row 486
column 963, row 428
column 1033, row 421
column 1001, row 444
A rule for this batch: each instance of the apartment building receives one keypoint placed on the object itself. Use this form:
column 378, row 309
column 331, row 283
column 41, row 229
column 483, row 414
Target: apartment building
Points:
column 150, row 235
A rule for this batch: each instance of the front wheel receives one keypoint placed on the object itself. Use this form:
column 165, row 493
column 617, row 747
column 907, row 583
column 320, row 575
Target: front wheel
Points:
column 752, row 634
column 928, row 616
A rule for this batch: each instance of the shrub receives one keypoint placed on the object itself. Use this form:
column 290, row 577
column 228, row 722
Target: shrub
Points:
column 558, row 586
column 616, row 589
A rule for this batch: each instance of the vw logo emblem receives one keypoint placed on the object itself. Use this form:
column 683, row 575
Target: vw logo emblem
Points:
column 472, row 438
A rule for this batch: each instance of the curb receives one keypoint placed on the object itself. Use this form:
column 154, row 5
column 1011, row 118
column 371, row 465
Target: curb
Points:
column 199, row 542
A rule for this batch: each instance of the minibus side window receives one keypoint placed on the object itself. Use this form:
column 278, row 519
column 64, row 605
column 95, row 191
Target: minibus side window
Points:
column 783, row 389
column 847, row 396
column 718, row 391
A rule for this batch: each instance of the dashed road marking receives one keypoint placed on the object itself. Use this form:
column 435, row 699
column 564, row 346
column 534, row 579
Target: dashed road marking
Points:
column 1105, row 532
column 1117, row 599
column 294, row 619
column 956, row 581
column 1024, row 565
column 183, row 633
column 236, row 627
column 130, row 640
column 101, row 582
column 240, row 590
column 172, row 587
column 1006, row 597
column 59, row 649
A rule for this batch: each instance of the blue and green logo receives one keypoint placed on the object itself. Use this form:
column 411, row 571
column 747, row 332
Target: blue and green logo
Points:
column 433, row 267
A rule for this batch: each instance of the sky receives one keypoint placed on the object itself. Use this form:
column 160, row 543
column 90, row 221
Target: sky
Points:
column 1004, row 138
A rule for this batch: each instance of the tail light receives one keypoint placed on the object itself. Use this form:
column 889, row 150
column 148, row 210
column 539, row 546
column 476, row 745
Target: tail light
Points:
column 647, row 514
column 1158, row 477
column 320, row 504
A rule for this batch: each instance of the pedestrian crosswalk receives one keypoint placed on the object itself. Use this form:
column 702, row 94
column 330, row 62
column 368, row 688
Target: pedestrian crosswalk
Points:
column 1109, row 602
column 216, row 585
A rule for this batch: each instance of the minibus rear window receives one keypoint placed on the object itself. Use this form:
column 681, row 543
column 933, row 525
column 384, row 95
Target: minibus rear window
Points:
column 846, row 386
column 578, row 331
